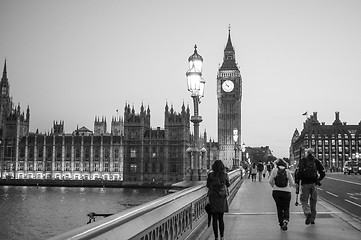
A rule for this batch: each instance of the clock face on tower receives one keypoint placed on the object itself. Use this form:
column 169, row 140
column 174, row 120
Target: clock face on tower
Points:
column 227, row 86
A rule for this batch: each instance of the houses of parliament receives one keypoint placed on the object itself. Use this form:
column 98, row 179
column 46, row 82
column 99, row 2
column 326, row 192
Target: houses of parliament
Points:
column 134, row 152
column 131, row 152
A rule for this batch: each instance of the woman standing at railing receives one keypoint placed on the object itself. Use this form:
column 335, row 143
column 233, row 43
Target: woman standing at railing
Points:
column 218, row 184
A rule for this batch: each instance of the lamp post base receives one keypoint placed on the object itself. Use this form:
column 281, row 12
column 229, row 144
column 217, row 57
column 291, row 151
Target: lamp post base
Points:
column 202, row 175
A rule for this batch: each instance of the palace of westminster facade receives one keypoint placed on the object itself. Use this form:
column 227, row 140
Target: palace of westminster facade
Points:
column 131, row 152
column 134, row 152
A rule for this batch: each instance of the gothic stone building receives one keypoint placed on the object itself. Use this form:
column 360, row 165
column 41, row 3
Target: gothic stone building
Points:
column 229, row 96
column 156, row 155
column 78, row 155
column 132, row 151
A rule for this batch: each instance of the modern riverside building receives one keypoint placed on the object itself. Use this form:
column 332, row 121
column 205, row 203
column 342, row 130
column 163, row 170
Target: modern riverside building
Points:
column 333, row 144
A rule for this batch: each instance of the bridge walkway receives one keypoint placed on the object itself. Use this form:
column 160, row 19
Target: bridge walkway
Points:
column 253, row 215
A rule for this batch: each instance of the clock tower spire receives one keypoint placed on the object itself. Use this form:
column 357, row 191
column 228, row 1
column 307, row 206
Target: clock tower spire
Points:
column 229, row 96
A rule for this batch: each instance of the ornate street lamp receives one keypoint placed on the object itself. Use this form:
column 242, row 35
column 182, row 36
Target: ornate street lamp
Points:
column 196, row 87
column 235, row 139
column 243, row 151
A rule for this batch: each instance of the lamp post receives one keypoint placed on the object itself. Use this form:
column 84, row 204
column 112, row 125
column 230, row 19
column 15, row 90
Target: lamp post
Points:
column 235, row 139
column 196, row 87
column 243, row 153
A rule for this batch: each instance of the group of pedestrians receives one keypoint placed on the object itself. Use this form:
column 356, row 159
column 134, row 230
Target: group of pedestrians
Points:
column 260, row 169
column 308, row 175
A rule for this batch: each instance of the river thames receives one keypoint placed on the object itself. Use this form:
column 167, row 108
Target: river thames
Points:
column 41, row 212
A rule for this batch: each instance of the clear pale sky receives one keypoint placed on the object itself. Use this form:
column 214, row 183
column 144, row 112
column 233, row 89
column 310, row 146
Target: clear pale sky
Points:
column 74, row 60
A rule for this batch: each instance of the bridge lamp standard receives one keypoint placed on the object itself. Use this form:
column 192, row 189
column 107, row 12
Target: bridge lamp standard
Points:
column 244, row 153
column 195, row 84
column 235, row 139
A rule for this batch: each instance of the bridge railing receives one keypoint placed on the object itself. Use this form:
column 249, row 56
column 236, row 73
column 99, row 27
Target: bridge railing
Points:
column 174, row 216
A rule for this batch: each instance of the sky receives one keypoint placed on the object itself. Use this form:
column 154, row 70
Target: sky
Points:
column 76, row 60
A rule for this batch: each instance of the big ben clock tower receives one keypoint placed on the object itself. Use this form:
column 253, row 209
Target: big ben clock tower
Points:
column 229, row 95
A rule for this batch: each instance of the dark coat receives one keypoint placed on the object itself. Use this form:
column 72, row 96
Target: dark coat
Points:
column 218, row 191
column 319, row 167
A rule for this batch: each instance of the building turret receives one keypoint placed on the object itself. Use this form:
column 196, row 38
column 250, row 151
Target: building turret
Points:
column 4, row 84
column 131, row 118
column 58, row 128
column 337, row 119
column 17, row 125
column 5, row 100
column 117, row 126
column 100, row 126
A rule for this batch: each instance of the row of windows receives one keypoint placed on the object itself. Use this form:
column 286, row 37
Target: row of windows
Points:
column 174, row 151
column 9, row 151
column 333, row 142
column 228, row 74
column 339, row 149
column 153, row 168
column 58, row 166
column 340, row 158
column 71, row 140
column 339, row 136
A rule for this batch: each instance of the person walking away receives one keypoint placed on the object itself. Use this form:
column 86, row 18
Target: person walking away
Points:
column 264, row 170
column 253, row 171
column 217, row 184
column 310, row 173
column 246, row 170
column 269, row 168
column 281, row 181
column 260, row 168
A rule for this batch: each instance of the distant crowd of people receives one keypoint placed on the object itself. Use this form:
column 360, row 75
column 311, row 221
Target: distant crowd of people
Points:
column 261, row 169
column 308, row 176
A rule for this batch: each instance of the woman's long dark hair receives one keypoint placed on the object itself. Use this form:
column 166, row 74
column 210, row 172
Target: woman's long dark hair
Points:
column 218, row 168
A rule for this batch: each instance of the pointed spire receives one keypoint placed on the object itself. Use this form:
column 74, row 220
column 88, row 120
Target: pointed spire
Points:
column 5, row 71
column 171, row 109
column 28, row 114
column 142, row 108
column 229, row 46
column 166, row 107
column 229, row 61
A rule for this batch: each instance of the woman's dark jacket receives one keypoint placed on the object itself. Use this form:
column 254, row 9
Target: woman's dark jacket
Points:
column 218, row 190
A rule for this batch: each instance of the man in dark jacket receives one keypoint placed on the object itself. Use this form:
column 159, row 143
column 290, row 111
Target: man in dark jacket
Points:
column 260, row 169
column 310, row 173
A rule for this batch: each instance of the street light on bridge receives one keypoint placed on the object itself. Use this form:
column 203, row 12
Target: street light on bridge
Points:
column 235, row 139
column 196, row 87
column 243, row 153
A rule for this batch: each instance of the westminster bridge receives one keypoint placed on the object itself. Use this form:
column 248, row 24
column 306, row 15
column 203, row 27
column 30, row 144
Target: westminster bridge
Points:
column 179, row 215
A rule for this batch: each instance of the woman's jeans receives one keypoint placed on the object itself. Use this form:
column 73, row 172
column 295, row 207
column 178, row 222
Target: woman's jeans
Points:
column 282, row 200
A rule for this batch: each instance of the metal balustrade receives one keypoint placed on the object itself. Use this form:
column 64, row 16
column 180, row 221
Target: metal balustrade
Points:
column 174, row 216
